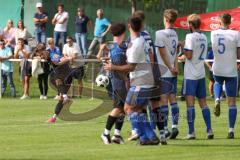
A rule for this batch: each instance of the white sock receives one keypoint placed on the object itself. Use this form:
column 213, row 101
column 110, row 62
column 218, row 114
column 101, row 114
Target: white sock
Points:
column 231, row 130
column 134, row 131
column 54, row 116
column 64, row 96
column 117, row 132
column 106, row 132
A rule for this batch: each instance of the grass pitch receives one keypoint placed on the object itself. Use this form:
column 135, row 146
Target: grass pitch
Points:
column 24, row 134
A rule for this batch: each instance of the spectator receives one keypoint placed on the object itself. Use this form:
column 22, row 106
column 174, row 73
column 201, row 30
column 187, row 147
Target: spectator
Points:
column 82, row 22
column 40, row 20
column 7, row 68
column 54, row 54
column 9, row 34
column 42, row 53
column 22, row 51
column 60, row 21
column 21, row 32
column 102, row 27
column 71, row 51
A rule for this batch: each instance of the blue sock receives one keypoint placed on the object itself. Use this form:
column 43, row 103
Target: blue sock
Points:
column 232, row 115
column 135, row 121
column 152, row 118
column 217, row 90
column 148, row 130
column 190, row 119
column 165, row 111
column 175, row 114
column 207, row 118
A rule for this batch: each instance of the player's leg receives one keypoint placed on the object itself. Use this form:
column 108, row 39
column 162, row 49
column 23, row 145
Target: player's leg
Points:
column 217, row 88
column 231, row 91
column 165, row 111
column 201, row 95
column 190, row 93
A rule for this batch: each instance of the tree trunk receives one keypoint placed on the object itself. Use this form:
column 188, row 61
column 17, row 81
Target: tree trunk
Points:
column 134, row 5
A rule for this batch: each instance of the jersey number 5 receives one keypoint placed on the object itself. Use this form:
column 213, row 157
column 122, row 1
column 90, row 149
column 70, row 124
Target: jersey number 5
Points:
column 221, row 46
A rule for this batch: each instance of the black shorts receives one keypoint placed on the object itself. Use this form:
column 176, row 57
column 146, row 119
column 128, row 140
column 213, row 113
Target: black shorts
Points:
column 78, row 73
column 210, row 75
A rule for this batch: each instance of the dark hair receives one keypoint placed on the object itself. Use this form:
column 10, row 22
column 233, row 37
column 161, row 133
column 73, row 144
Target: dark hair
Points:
column 2, row 40
column 21, row 22
column 139, row 14
column 135, row 23
column 225, row 18
column 69, row 37
column 21, row 39
column 60, row 5
column 171, row 15
column 80, row 9
column 117, row 29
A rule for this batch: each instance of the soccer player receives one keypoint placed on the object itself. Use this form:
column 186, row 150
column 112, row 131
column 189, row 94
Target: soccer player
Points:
column 195, row 50
column 141, row 81
column 225, row 45
column 117, row 55
column 167, row 42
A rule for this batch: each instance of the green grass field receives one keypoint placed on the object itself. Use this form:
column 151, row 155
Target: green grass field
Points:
column 24, row 134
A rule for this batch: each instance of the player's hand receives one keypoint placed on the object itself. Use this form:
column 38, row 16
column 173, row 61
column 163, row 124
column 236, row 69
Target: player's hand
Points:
column 238, row 67
column 174, row 71
column 103, row 46
column 108, row 66
column 210, row 68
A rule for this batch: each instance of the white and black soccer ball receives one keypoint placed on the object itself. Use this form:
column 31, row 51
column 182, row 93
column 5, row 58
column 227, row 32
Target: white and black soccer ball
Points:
column 102, row 80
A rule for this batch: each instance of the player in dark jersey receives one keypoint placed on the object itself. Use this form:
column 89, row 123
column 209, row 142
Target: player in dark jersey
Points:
column 119, row 81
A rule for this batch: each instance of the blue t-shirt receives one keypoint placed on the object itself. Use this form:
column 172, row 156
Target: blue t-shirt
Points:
column 101, row 26
column 7, row 66
column 55, row 54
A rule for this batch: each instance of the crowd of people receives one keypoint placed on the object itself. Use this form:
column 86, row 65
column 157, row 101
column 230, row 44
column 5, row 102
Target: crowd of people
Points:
column 14, row 44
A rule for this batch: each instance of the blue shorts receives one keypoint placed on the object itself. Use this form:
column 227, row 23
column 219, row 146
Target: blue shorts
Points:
column 173, row 82
column 196, row 88
column 135, row 98
column 231, row 84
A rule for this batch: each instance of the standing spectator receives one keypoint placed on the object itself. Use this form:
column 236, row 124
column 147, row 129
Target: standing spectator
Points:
column 82, row 22
column 60, row 21
column 40, row 20
column 7, row 68
column 22, row 51
column 21, row 32
column 71, row 52
column 55, row 54
column 9, row 34
column 102, row 27
column 42, row 54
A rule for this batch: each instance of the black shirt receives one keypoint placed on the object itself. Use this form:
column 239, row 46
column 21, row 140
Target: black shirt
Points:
column 40, row 16
column 81, row 24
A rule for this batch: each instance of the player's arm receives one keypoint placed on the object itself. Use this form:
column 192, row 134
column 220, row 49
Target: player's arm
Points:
column 103, row 48
column 188, row 47
column 238, row 57
column 176, row 65
column 123, row 68
column 54, row 20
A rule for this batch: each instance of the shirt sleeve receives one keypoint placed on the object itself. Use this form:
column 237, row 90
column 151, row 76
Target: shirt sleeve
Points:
column 132, row 56
column 106, row 22
column 159, row 40
column 188, row 43
column 238, row 39
column 66, row 15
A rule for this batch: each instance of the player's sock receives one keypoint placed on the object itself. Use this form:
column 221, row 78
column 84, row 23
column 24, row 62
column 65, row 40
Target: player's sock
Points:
column 152, row 120
column 165, row 112
column 217, row 88
column 190, row 119
column 147, row 127
column 232, row 115
column 175, row 114
column 135, row 121
column 207, row 118
column 59, row 107
column 159, row 118
column 54, row 116
column 110, row 122
column 118, row 125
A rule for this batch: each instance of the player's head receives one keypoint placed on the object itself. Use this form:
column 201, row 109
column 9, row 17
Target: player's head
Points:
column 69, row 41
column 141, row 15
column 100, row 13
column 60, row 7
column 50, row 42
column 2, row 43
column 80, row 11
column 118, row 29
column 194, row 22
column 135, row 24
column 225, row 19
column 170, row 16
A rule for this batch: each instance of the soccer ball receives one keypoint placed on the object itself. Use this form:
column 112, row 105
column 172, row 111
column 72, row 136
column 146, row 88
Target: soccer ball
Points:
column 102, row 80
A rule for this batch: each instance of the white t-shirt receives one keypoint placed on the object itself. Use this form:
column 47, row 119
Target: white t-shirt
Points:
column 60, row 17
column 138, row 53
column 194, row 68
column 224, row 45
column 71, row 52
column 167, row 38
